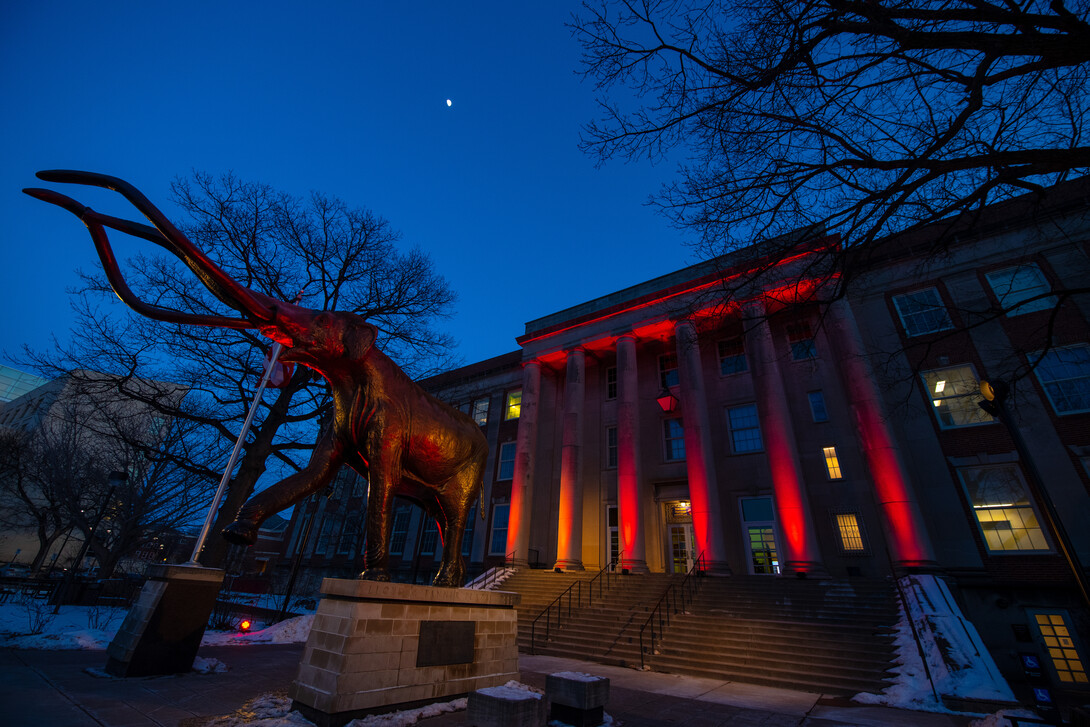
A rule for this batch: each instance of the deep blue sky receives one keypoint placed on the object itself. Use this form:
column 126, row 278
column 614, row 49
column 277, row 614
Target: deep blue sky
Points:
column 348, row 98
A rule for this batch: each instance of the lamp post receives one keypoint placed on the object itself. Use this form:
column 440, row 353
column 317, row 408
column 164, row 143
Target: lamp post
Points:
column 995, row 395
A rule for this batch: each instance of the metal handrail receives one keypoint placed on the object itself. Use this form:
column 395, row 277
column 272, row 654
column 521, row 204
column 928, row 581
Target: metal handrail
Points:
column 682, row 592
column 578, row 587
column 487, row 578
column 912, row 626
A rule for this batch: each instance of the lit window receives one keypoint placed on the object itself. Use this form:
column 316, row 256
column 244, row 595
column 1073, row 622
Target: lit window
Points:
column 832, row 464
column 513, row 409
column 732, row 357
column 611, row 382
column 668, row 370
column 497, row 545
column 745, row 429
column 1021, row 283
column 850, row 531
column 1065, row 375
column 1001, row 503
column 674, row 437
column 430, row 537
column 817, row 406
column 801, row 339
column 611, row 446
column 480, row 411
column 954, row 393
column 507, row 461
column 922, row 311
column 1062, row 653
column 399, row 532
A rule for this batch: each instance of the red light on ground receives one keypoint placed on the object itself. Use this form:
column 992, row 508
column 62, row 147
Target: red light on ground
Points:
column 245, row 625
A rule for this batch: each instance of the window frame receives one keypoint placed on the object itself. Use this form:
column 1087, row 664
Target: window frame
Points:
column 479, row 412
column 500, row 461
column 1031, row 505
column 1015, row 307
column 732, row 429
column 403, row 514
column 913, row 331
column 800, row 341
column 1037, row 359
column 813, row 410
column 611, row 383
column 669, row 376
column 667, row 440
column 511, row 406
column 492, row 530
column 860, row 531
column 979, row 416
column 738, row 356
column 612, row 440
column 834, row 471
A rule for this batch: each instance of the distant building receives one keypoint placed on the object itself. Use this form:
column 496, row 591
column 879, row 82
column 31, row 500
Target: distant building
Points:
column 14, row 383
column 659, row 424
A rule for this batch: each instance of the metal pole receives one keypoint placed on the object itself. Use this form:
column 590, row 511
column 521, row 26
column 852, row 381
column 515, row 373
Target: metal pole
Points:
column 277, row 348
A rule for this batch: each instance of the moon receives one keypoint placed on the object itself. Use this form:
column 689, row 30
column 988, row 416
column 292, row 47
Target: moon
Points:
column 449, row 102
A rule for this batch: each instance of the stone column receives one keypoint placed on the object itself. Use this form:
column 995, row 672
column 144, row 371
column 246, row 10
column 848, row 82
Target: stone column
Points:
column 800, row 551
column 909, row 544
column 629, row 516
column 569, row 527
column 522, row 484
column 703, row 486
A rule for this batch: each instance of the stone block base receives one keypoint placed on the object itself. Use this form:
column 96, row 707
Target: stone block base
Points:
column 505, row 707
column 163, row 629
column 376, row 647
column 577, row 699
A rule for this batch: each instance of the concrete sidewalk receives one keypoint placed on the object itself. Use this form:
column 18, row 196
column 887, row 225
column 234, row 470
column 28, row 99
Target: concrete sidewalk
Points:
column 54, row 688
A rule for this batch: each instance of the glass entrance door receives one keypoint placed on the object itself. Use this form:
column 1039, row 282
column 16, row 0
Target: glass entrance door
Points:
column 681, row 548
column 758, row 527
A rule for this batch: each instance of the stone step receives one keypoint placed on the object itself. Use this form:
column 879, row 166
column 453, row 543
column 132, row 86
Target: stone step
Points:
column 826, row 636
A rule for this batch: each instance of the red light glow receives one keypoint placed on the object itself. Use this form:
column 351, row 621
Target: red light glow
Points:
column 245, row 625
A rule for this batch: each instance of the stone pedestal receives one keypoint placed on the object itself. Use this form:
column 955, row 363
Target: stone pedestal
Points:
column 376, row 647
column 577, row 699
column 163, row 629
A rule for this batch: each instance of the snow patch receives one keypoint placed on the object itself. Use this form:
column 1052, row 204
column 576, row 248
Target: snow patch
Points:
column 577, row 676
column 291, row 631
column 203, row 665
column 959, row 664
column 506, row 692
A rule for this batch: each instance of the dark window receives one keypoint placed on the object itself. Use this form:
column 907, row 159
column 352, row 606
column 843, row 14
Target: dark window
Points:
column 817, row 406
column 732, row 356
column 674, row 438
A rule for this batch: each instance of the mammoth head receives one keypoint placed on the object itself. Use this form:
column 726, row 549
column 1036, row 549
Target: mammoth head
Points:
column 321, row 340
column 316, row 339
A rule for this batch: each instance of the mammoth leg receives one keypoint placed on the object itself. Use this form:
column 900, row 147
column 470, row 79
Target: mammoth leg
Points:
column 456, row 501
column 380, row 501
column 324, row 463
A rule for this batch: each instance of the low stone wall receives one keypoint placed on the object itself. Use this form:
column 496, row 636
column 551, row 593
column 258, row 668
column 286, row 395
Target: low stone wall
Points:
column 375, row 647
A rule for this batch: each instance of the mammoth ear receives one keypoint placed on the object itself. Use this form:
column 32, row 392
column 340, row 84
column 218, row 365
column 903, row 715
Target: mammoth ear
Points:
column 359, row 339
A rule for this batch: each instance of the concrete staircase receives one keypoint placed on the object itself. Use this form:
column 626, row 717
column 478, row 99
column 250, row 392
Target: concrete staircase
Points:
column 605, row 629
column 834, row 637
column 825, row 636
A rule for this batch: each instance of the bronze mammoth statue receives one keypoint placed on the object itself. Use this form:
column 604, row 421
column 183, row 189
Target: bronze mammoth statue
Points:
column 403, row 440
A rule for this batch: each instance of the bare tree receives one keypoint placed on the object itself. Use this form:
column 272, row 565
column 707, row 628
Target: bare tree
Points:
column 852, row 119
column 44, row 479
column 336, row 257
